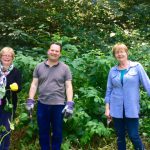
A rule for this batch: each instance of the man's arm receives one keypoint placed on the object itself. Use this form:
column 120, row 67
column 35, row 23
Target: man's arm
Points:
column 33, row 88
column 69, row 90
column 68, row 109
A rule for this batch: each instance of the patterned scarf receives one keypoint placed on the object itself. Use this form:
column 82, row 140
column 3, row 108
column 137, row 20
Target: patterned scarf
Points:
column 3, row 73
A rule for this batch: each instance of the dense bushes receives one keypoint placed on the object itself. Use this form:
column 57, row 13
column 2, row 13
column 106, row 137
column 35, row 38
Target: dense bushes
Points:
column 90, row 72
column 87, row 30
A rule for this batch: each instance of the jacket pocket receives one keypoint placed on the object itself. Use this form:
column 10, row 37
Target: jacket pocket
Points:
column 132, row 73
column 116, row 100
column 113, row 75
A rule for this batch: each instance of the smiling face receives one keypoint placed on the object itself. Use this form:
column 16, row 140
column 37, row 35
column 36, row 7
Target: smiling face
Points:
column 121, row 55
column 6, row 56
column 54, row 52
column 120, row 52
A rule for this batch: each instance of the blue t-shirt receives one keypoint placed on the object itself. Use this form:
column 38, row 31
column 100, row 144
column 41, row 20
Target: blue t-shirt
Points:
column 123, row 72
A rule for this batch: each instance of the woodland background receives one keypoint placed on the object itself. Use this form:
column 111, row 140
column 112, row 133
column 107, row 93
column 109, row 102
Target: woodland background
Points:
column 87, row 30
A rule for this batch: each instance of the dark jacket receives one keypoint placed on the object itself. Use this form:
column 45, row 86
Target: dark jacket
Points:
column 13, row 76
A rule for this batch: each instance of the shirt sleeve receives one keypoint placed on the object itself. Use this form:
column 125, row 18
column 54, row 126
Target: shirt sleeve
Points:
column 68, row 75
column 144, row 79
column 35, row 72
column 109, row 88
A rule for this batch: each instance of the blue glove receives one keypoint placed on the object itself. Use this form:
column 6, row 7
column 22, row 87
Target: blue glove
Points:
column 68, row 109
column 30, row 104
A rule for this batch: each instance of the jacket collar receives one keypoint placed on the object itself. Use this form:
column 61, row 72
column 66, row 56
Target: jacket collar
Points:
column 131, row 64
column 45, row 62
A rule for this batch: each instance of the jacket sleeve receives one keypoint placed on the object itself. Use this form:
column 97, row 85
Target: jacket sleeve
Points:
column 109, row 88
column 18, row 80
column 144, row 79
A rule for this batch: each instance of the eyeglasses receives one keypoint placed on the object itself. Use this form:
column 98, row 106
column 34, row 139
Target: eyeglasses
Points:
column 7, row 56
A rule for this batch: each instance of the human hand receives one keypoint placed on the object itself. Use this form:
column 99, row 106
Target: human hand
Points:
column 107, row 114
column 30, row 104
column 68, row 109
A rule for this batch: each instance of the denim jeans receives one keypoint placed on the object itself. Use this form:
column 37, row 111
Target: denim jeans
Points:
column 131, row 125
column 4, row 117
column 50, row 118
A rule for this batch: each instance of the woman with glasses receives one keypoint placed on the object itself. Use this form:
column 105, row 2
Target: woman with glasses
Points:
column 10, row 85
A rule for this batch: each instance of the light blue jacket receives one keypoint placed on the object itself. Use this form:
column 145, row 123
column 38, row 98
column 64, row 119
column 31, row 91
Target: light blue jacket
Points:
column 128, row 94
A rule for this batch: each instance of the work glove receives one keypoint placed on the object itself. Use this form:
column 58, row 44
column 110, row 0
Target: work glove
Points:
column 30, row 104
column 68, row 109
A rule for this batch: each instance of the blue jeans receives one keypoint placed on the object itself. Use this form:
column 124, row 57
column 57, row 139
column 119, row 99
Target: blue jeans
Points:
column 131, row 125
column 4, row 117
column 50, row 118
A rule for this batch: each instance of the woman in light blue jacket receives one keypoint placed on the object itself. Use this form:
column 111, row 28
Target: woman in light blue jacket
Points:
column 123, row 95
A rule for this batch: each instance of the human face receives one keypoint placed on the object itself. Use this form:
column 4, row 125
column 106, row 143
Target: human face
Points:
column 54, row 53
column 121, row 55
column 6, row 59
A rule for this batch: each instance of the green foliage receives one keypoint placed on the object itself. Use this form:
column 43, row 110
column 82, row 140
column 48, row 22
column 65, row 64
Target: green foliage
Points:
column 8, row 107
column 145, row 128
column 93, row 128
column 91, row 69
column 87, row 31
column 144, row 115
column 145, row 105
column 32, row 24
column 26, row 64
column 2, row 128
column 66, row 145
